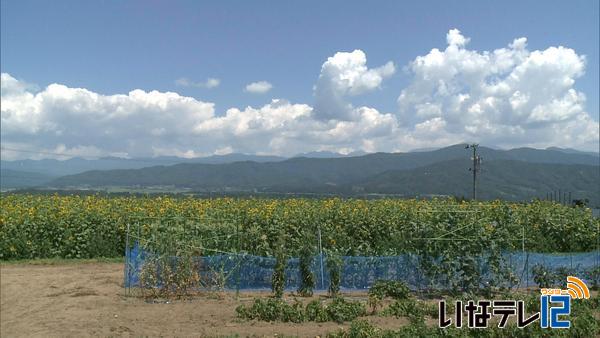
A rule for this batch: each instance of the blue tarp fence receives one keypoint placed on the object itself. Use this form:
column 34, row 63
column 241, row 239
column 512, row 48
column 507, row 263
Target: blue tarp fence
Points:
column 247, row 272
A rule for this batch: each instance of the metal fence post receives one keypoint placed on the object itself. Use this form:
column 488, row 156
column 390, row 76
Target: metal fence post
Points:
column 597, row 247
column 525, row 261
column 127, row 257
column 321, row 259
column 237, row 282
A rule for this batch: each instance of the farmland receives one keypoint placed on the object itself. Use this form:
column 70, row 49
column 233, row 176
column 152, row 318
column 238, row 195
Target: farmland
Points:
column 34, row 226
column 87, row 299
column 37, row 226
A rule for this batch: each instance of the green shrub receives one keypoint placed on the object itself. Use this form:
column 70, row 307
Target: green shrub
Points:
column 532, row 302
column 583, row 324
column 387, row 289
column 583, row 321
column 334, row 267
column 316, row 312
column 593, row 275
column 543, row 276
column 561, row 274
column 547, row 278
column 341, row 310
column 416, row 329
column 307, row 278
column 404, row 308
column 358, row 329
column 362, row 329
column 272, row 309
column 275, row 309
column 278, row 279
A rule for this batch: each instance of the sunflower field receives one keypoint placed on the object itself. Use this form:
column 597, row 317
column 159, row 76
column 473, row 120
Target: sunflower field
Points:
column 38, row 226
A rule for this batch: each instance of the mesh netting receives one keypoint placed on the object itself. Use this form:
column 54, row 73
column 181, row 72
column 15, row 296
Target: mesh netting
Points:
column 247, row 272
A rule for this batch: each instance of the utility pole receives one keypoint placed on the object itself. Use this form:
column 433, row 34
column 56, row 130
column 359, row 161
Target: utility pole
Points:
column 475, row 168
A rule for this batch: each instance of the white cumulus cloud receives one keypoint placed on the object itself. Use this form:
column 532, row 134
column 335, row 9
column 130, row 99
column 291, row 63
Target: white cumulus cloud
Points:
column 344, row 75
column 77, row 117
column 209, row 83
column 260, row 87
column 65, row 120
column 506, row 97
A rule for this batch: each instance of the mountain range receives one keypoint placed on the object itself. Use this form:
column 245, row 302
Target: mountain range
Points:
column 56, row 168
column 516, row 174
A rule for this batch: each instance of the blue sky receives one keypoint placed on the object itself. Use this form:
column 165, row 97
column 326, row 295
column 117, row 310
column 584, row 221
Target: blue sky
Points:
column 114, row 47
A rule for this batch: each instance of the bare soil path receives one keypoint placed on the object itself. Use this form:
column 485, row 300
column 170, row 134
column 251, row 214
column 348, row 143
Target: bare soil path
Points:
column 88, row 299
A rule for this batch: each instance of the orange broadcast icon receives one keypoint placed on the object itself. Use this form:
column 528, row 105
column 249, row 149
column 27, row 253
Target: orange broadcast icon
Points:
column 577, row 288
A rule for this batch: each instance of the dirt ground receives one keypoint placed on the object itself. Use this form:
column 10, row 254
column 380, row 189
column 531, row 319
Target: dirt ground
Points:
column 88, row 299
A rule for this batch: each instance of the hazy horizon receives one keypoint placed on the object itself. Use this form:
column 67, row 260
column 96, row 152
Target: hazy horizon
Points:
column 35, row 156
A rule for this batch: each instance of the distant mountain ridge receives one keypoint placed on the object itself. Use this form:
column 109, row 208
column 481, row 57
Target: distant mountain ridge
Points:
column 574, row 151
column 329, row 154
column 503, row 179
column 512, row 174
column 76, row 165
column 55, row 168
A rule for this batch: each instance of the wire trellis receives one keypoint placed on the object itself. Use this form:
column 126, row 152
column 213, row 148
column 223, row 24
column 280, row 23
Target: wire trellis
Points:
column 242, row 271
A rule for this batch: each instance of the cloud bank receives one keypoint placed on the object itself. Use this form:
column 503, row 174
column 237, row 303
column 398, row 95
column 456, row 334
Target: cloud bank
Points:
column 507, row 97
